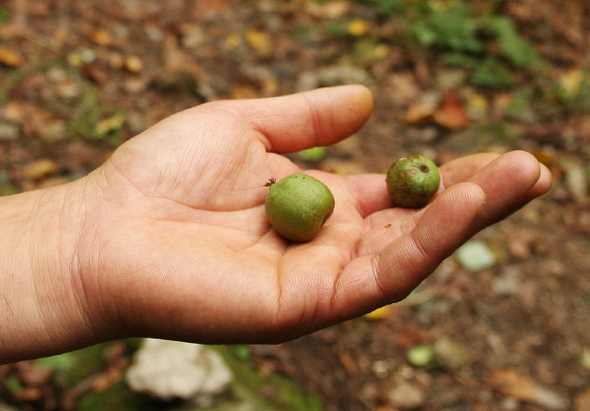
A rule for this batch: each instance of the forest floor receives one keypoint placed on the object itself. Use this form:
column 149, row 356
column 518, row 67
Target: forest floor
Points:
column 449, row 79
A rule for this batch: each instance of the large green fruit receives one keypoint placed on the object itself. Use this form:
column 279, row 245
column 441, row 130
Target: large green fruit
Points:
column 412, row 181
column 298, row 206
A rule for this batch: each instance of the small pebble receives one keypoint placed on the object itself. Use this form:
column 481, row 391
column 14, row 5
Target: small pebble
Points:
column 475, row 255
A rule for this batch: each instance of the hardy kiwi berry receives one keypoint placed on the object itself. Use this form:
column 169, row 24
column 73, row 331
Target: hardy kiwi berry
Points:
column 412, row 181
column 298, row 206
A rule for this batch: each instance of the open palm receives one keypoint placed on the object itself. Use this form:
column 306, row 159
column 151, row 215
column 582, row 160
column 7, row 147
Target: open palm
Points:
column 175, row 242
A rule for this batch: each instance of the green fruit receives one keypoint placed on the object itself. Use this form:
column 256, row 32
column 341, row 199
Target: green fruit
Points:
column 412, row 181
column 298, row 206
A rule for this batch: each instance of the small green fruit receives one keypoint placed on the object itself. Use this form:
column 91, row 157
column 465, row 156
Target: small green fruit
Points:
column 412, row 181
column 298, row 206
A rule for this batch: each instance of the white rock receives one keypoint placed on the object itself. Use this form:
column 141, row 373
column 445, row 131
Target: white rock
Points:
column 171, row 369
column 475, row 255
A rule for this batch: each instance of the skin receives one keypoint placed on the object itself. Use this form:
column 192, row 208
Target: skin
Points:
column 169, row 239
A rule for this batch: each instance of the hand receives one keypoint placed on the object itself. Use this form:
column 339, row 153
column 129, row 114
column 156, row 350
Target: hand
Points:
column 172, row 240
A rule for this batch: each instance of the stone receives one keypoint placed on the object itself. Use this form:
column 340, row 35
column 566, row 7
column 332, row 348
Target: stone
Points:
column 475, row 255
column 170, row 370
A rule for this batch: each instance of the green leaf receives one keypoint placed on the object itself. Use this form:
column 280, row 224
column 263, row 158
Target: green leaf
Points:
column 454, row 27
column 459, row 59
column 13, row 384
column 512, row 45
column 492, row 73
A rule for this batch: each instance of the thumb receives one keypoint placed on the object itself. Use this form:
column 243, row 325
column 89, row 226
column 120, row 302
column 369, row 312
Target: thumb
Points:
column 312, row 118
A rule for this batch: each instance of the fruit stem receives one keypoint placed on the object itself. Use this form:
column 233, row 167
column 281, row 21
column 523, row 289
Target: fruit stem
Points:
column 270, row 182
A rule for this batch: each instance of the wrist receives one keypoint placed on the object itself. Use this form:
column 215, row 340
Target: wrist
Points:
column 41, row 306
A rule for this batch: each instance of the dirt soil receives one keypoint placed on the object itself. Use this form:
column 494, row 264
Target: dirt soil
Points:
column 77, row 78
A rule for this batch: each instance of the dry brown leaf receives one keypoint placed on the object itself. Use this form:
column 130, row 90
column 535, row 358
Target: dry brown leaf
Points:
column 451, row 114
column 101, row 37
column 515, row 385
column 419, row 113
column 243, row 91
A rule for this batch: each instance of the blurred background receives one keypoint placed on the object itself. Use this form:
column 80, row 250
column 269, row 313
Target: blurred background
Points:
column 504, row 324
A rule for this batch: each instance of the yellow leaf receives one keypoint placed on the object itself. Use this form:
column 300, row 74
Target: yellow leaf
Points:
column 38, row 169
column 379, row 313
column 358, row 27
column 232, row 41
column 260, row 41
column 109, row 124
column 9, row 57
column 134, row 64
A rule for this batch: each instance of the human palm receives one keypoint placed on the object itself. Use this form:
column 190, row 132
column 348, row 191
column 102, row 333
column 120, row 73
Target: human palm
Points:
column 176, row 244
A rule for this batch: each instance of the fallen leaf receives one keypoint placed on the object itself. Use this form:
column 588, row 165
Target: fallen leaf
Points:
column 571, row 82
column 233, row 41
column 423, row 110
column 512, row 384
column 30, row 394
column 379, row 314
column 134, row 64
column 260, row 41
column 521, row 387
column 451, row 114
column 109, row 124
column 101, row 37
column 329, row 10
column 358, row 27
column 95, row 73
column 38, row 169
column 10, row 57
column 243, row 91
column 418, row 114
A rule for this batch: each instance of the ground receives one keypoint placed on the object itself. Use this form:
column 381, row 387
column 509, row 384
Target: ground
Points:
column 449, row 79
